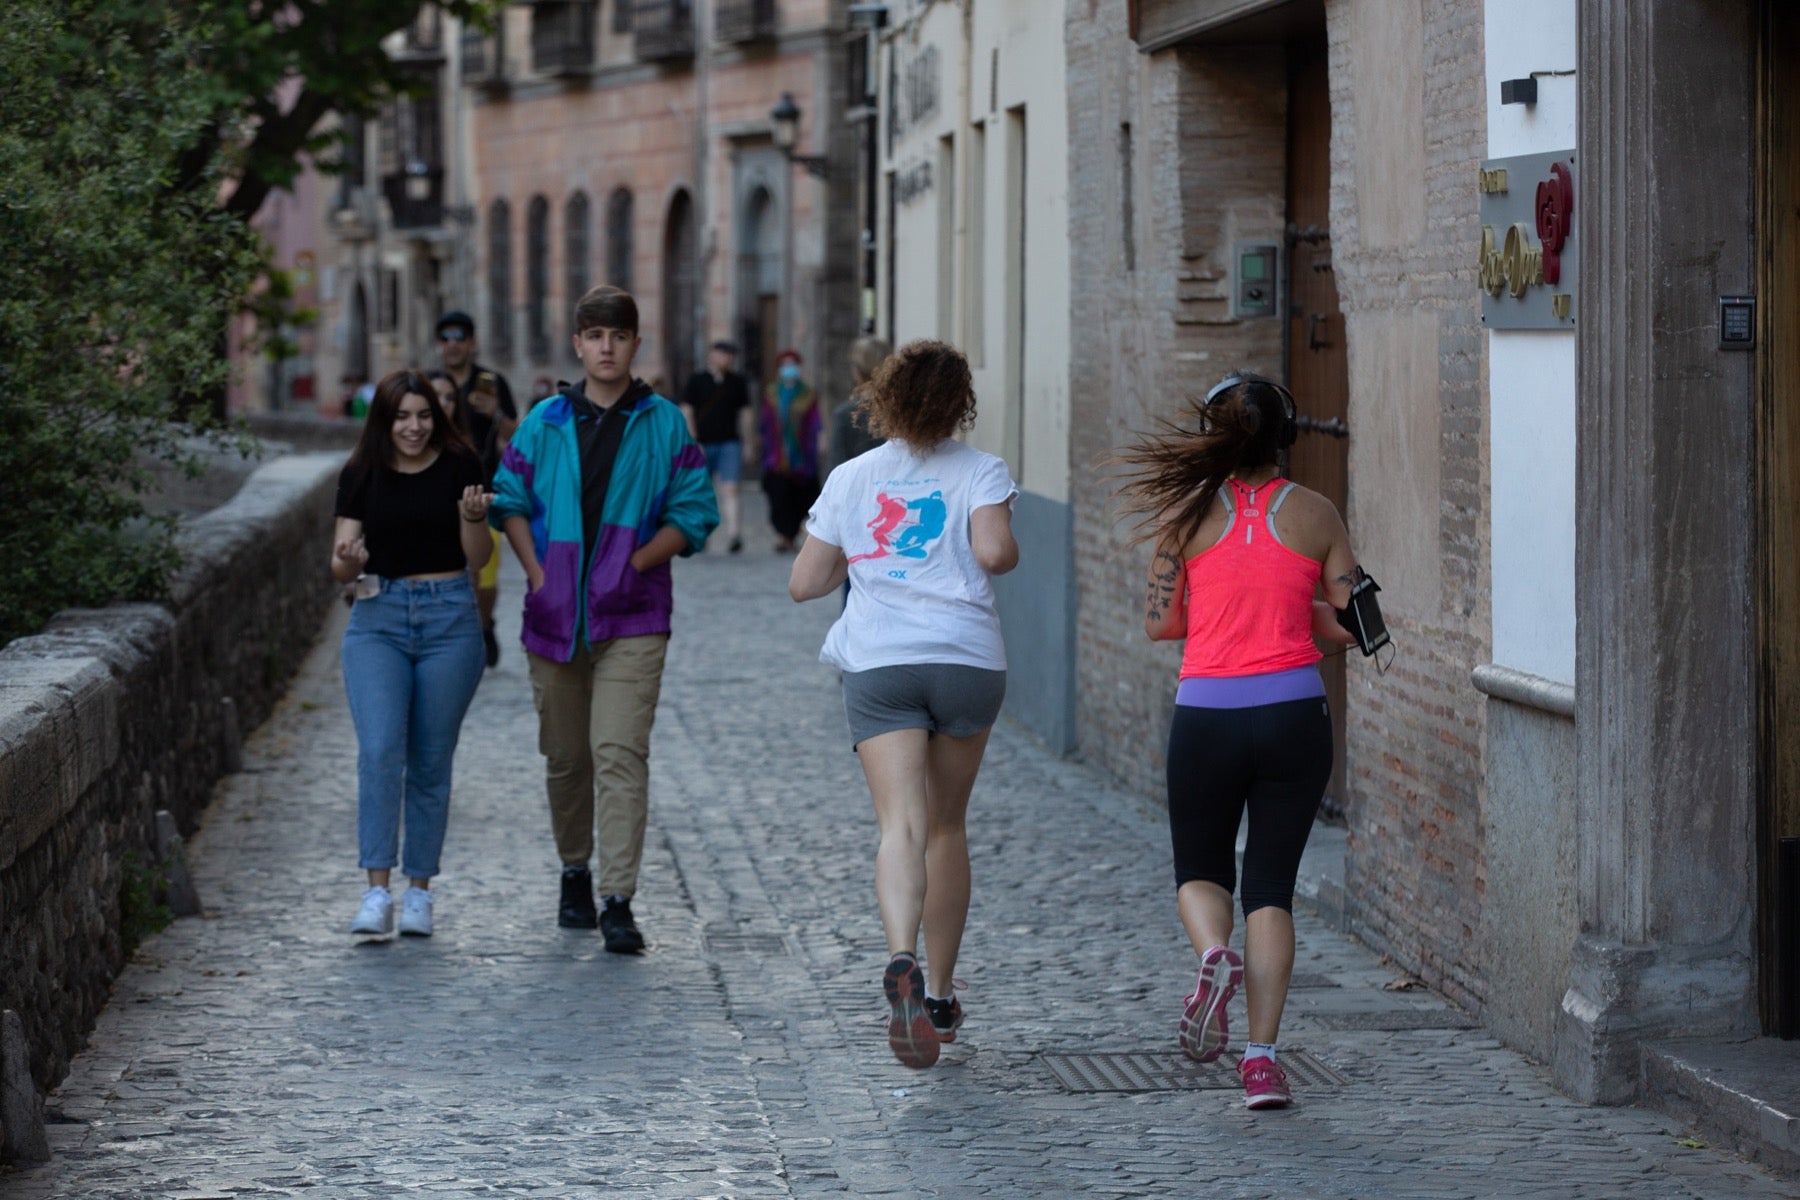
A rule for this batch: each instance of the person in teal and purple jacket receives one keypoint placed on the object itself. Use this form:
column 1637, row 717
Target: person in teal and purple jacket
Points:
column 600, row 487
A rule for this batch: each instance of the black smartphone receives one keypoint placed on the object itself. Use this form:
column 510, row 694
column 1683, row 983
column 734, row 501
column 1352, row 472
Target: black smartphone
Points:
column 1362, row 616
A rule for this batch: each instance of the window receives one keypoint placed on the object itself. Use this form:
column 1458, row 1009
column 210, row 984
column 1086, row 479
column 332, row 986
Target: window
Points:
column 1127, row 198
column 537, row 279
column 500, row 281
column 946, row 238
column 618, row 239
column 575, row 254
column 976, row 271
column 622, row 16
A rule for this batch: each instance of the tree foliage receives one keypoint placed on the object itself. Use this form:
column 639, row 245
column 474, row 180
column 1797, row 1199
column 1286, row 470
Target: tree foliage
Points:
column 137, row 139
column 114, row 284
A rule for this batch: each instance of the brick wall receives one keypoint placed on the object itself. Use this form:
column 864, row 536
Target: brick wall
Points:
column 1416, row 870
column 1208, row 129
column 111, row 714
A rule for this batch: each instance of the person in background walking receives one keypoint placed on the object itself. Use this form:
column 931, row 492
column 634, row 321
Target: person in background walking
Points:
column 791, row 428
column 716, row 402
column 849, row 427
column 1239, row 552
column 487, row 399
column 451, row 403
column 918, row 525
column 411, row 520
column 599, row 489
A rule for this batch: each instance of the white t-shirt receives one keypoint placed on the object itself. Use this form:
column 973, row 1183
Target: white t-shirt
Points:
column 917, row 595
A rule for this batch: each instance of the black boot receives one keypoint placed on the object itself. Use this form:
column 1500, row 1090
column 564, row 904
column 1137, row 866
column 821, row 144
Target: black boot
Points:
column 577, row 911
column 620, row 931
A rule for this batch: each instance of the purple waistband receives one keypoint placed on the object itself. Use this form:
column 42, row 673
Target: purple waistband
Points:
column 1249, row 691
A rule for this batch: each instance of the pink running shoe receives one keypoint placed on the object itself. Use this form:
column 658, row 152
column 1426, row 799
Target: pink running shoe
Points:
column 911, row 1035
column 1265, row 1083
column 1203, row 1034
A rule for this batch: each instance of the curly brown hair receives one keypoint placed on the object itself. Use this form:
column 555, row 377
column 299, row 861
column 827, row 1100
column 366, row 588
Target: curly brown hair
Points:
column 920, row 395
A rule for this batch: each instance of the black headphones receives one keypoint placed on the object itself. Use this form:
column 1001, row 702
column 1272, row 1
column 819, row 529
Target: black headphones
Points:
column 1289, row 429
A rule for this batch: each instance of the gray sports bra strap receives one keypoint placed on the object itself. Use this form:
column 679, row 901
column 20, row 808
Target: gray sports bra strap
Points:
column 1280, row 496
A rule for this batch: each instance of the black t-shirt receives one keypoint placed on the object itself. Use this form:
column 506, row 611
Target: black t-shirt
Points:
column 412, row 524
column 598, row 434
column 716, row 405
column 481, row 426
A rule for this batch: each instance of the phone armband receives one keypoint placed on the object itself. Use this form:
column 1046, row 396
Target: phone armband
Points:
column 1362, row 616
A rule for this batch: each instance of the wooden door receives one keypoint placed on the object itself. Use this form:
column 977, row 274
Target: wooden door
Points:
column 1778, row 438
column 1317, row 366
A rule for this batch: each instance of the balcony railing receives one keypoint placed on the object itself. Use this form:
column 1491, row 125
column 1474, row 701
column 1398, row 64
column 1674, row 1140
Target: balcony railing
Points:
column 664, row 29
column 562, row 36
column 484, row 56
column 738, row 21
column 415, row 197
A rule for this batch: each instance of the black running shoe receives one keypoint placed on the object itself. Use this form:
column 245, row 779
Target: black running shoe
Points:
column 737, row 545
column 945, row 1016
column 493, row 645
column 617, row 926
column 577, row 909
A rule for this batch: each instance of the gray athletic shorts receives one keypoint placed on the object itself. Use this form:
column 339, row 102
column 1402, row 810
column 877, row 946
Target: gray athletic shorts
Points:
column 937, row 697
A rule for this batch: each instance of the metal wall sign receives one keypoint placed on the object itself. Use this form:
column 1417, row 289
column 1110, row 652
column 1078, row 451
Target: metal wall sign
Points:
column 1527, row 262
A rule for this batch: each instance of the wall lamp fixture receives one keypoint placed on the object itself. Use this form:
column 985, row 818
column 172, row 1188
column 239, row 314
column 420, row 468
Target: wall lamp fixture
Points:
column 784, row 129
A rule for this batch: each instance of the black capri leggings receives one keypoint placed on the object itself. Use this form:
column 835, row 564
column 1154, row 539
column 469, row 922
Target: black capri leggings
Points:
column 1275, row 758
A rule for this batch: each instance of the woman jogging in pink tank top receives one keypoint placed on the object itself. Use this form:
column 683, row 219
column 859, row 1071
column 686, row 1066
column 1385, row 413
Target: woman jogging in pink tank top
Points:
column 1240, row 554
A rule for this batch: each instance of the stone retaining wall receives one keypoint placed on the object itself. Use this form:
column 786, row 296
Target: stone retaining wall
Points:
column 111, row 714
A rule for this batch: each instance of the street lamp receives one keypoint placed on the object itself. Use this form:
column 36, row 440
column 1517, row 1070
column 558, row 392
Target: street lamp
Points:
column 784, row 130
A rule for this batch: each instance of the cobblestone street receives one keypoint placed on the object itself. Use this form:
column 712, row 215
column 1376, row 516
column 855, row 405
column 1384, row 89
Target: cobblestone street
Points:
column 258, row 1051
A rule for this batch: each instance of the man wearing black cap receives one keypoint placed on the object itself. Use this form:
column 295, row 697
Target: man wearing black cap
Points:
column 488, row 399
column 717, row 404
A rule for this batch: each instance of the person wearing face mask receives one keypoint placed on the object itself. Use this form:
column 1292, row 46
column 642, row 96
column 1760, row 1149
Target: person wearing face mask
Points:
column 791, row 429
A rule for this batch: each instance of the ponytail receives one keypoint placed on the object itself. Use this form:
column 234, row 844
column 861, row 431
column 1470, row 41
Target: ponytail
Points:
column 1172, row 475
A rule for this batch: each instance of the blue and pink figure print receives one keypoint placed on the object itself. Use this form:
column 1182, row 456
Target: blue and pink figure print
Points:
column 906, row 528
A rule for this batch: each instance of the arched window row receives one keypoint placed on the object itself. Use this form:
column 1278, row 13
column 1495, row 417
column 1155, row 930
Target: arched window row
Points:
column 577, row 259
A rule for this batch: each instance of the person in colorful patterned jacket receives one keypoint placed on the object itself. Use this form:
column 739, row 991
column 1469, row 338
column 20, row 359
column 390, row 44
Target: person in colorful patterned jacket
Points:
column 600, row 487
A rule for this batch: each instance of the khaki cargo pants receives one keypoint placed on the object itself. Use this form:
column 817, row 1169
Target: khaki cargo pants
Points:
column 594, row 718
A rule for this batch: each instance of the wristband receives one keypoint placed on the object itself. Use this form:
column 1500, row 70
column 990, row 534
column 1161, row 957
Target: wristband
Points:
column 475, row 521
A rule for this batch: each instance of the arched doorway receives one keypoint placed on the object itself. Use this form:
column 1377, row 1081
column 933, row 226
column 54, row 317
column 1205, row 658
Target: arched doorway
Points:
column 680, row 290
column 759, row 284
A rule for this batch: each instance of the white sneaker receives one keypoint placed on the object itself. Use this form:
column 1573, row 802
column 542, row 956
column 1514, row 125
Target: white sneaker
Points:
column 415, row 912
column 376, row 916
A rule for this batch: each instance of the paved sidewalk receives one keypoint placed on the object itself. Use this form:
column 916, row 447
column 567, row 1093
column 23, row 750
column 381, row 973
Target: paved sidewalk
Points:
column 258, row 1052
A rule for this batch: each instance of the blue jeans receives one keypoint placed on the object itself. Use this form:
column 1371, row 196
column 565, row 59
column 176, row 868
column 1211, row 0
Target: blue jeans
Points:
column 412, row 658
column 724, row 460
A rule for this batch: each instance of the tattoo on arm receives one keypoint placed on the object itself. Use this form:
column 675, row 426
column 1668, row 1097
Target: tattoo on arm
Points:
column 1165, row 577
column 1348, row 578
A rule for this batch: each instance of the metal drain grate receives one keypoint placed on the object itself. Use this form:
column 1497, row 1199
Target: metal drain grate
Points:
column 744, row 941
column 1303, row 979
column 1393, row 1022
column 1145, row 1072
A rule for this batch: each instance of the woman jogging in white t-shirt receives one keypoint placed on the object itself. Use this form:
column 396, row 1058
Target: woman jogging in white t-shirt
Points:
column 918, row 525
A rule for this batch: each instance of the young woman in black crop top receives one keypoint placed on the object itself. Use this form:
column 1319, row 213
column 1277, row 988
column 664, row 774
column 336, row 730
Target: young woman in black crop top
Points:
column 411, row 521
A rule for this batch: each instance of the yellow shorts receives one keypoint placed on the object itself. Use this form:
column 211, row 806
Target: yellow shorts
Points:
column 489, row 576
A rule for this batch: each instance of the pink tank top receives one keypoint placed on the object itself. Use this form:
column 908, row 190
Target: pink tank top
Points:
column 1249, row 598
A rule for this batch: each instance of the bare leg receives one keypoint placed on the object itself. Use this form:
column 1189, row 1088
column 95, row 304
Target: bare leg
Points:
column 382, row 877
column 484, row 604
column 1268, row 966
column 1205, row 914
column 729, row 508
column 952, row 765
column 895, row 764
